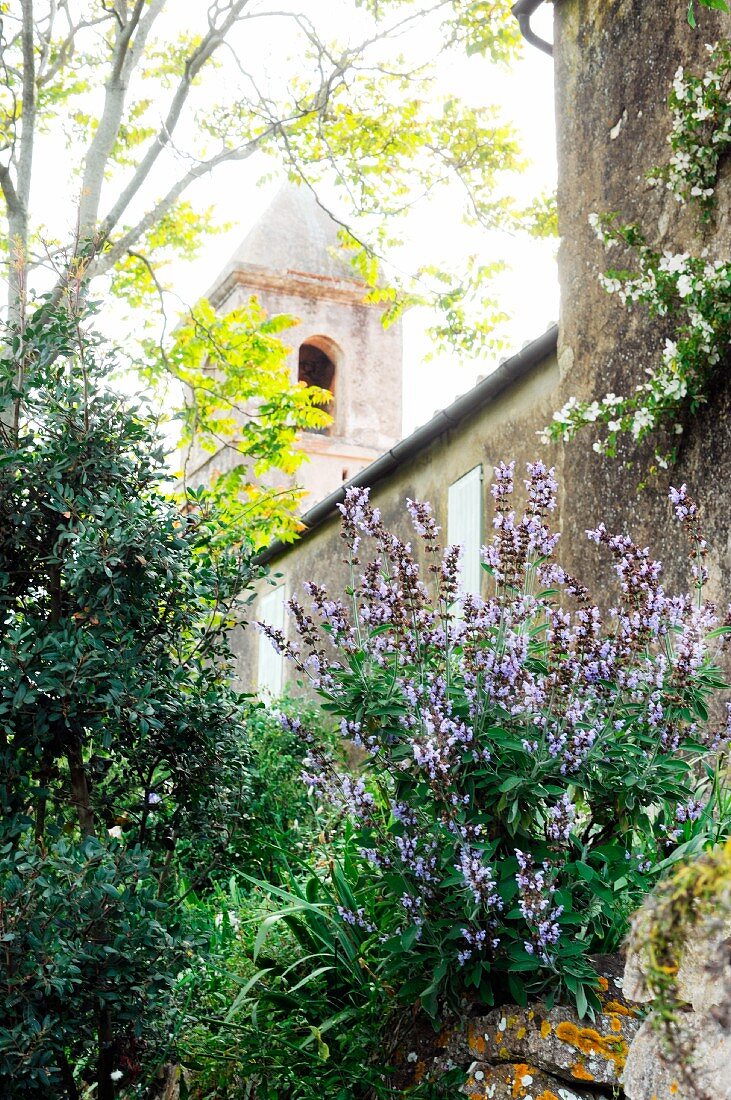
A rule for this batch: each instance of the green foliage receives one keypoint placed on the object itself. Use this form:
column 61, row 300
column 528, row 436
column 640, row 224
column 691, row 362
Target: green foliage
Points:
column 291, row 1008
column 714, row 5
column 86, row 944
column 696, row 891
column 701, row 131
column 240, row 400
column 361, row 112
column 280, row 822
column 529, row 763
column 119, row 731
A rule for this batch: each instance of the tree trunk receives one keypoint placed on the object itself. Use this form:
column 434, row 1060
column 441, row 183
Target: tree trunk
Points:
column 105, row 1060
column 80, row 789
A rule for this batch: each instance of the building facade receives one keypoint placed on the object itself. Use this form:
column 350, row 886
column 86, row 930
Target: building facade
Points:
column 614, row 62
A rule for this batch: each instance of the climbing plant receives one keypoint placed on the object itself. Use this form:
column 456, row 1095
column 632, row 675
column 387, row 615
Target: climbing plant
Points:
column 691, row 292
column 716, row 5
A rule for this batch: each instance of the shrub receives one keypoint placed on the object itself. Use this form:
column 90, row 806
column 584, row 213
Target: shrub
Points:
column 279, row 823
column 529, row 758
column 120, row 761
column 289, row 1009
column 86, row 944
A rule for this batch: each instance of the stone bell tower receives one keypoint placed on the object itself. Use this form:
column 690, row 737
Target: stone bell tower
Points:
column 289, row 262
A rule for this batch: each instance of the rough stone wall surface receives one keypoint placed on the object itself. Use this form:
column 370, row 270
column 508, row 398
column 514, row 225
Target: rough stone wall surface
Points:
column 690, row 1060
column 531, row 1053
column 614, row 64
column 506, row 429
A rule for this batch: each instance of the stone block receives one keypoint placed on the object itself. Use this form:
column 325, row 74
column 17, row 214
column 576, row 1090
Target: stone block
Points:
column 557, row 1041
column 520, row 1081
column 691, row 1063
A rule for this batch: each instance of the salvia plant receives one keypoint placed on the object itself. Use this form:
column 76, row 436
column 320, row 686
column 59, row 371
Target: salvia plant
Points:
column 530, row 760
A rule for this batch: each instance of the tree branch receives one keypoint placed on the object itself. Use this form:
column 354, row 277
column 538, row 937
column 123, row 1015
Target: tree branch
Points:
column 105, row 261
column 25, row 163
column 203, row 52
column 125, row 56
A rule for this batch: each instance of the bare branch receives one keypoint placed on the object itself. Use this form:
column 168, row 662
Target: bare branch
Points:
column 203, row 52
column 108, row 259
column 125, row 56
column 66, row 49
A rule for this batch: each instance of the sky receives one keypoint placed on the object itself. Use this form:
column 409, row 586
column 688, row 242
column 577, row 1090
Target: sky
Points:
column 528, row 291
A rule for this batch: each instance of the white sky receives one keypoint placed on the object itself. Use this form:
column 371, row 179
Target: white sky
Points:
column 528, row 292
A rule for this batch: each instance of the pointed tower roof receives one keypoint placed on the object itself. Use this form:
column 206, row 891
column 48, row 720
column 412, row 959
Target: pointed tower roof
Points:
column 294, row 234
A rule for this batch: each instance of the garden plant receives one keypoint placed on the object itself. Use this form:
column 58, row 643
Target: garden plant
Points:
column 531, row 762
column 123, row 770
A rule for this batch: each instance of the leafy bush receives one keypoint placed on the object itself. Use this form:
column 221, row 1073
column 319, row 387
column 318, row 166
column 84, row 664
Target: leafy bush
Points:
column 280, row 822
column 120, row 743
column 529, row 759
column 86, row 943
column 289, row 1008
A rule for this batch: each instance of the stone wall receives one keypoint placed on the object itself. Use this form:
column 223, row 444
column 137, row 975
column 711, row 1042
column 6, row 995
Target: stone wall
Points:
column 614, row 64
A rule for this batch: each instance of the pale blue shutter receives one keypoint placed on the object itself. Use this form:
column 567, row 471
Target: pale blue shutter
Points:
column 271, row 663
column 464, row 526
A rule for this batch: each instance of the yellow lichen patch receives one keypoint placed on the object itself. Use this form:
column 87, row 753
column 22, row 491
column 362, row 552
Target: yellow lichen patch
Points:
column 589, row 1041
column 619, row 1009
column 547, row 1095
column 512, row 1021
column 520, row 1033
column 615, row 1023
column 476, row 1040
column 521, row 1071
column 546, row 1029
column 603, row 982
column 580, row 1072
column 674, row 1087
column 504, row 1052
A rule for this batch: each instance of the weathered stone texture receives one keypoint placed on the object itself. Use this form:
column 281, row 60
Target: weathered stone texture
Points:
column 699, row 1068
column 704, row 974
column 556, row 1041
column 531, row 1053
column 615, row 60
column 688, row 1058
column 518, row 1082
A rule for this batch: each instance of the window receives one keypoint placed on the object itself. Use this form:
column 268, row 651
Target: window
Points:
column 271, row 663
column 464, row 526
column 316, row 367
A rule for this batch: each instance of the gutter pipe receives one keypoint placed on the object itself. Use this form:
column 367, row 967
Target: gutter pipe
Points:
column 523, row 10
column 512, row 370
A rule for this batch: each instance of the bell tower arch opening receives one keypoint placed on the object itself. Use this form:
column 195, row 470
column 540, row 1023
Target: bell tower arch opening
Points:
column 318, row 362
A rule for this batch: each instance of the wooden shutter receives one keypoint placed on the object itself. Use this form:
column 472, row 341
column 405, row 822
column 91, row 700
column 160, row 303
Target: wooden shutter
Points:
column 271, row 664
column 464, row 526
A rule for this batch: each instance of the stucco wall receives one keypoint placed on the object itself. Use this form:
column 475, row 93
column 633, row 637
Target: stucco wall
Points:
column 505, row 429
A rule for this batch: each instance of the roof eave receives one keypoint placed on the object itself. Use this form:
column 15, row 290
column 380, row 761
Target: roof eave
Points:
column 509, row 372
